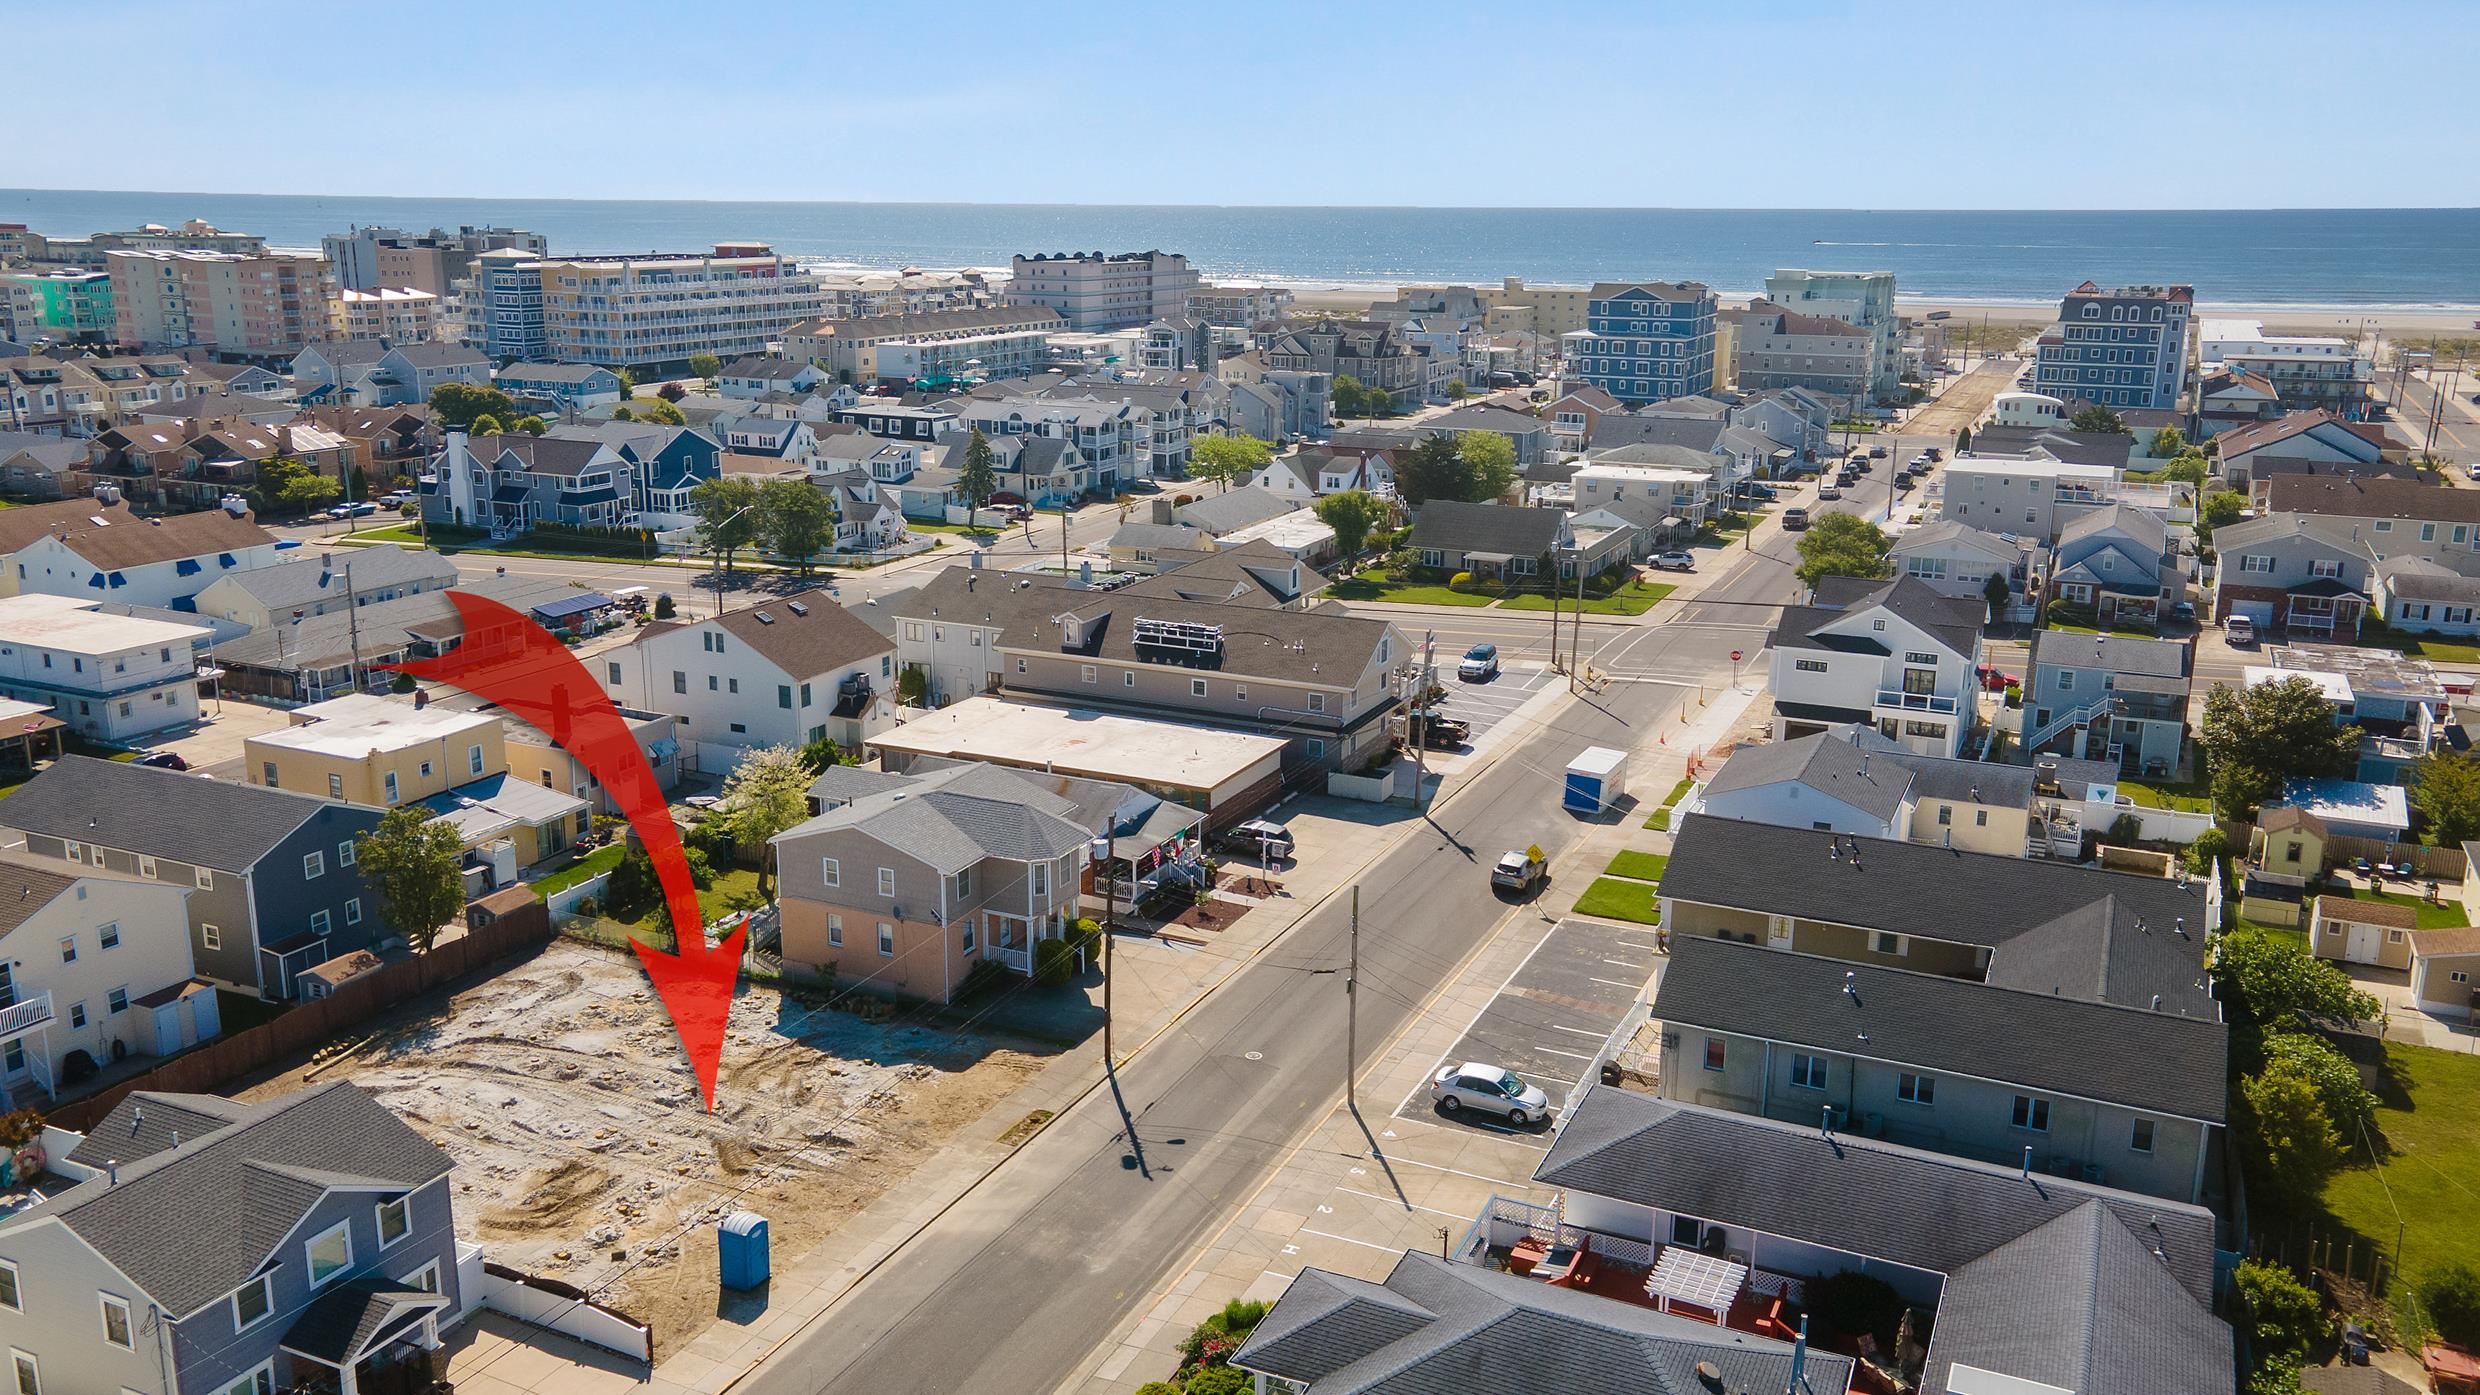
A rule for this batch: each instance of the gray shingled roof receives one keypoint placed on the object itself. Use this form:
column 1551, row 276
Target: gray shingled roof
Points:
column 1617, row 432
column 1955, row 621
column 2127, row 654
column 1454, row 526
column 2418, row 579
column 2159, row 1062
column 1439, row 1328
column 221, row 824
column 312, row 578
column 2113, row 936
column 952, row 822
column 1233, row 510
column 1825, row 763
column 188, row 1225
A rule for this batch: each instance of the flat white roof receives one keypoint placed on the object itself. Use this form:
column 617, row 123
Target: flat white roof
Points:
column 1080, row 741
column 358, row 724
column 74, row 625
column 2335, row 687
column 1297, row 529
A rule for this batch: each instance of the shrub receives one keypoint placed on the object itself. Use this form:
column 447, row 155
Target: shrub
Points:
column 1054, row 963
column 1158, row 1387
column 2284, row 1320
column 1221, row 1380
column 2451, row 1296
column 403, row 683
column 1210, row 1343
column 663, row 606
column 2014, row 694
column 588, row 907
column 2126, row 830
column 1460, row 580
column 913, row 686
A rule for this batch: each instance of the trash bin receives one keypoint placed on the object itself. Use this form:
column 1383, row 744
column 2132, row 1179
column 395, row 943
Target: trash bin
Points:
column 741, row 1248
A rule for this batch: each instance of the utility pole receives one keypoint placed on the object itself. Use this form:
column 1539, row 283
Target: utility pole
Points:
column 1351, row 1012
column 1420, row 719
column 1110, row 890
column 353, row 632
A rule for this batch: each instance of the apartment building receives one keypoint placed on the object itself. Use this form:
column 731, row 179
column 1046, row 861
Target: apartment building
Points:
column 2305, row 371
column 2038, row 496
column 1551, row 312
column 86, row 396
column 2122, row 349
column 1094, row 292
column 865, row 294
column 109, row 676
column 366, row 259
column 504, row 306
column 1645, row 341
column 1239, row 304
column 998, row 341
column 1861, row 298
column 1775, row 347
column 68, row 304
column 397, row 314
column 661, row 309
column 260, row 306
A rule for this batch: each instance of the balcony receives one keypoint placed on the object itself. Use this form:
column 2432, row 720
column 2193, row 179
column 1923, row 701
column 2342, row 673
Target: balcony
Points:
column 25, row 1015
column 1896, row 699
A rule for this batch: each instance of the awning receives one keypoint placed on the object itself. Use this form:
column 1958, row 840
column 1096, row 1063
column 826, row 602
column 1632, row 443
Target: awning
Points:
column 569, row 607
column 357, row 1319
column 1673, row 521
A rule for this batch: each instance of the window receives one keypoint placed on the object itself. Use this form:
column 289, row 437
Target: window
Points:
column 2458, row 976
column 21, row 1364
column 886, row 881
column 964, row 884
column 116, row 1329
column 2385, row 525
column 2140, row 1139
column 10, row 1296
column 1715, row 1053
column 2325, row 568
column 886, row 940
column 68, row 949
column 1808, row 665
column 353, row 911
column 1196, row 687
column 473, row 760
column 77, row 1014
column 110, row 935
column 1980, row 818
column 395, row 1220
column 1946, row 815
column 267, row 773
column 1087, row 673
column 1916, row 1089
column 783, row 696
column 830, row 871
column 680, row 681
column 614, row 671
column 1888, row 942
column 211, row 936
column 205, row 878
column 2032, row 1112
column 2261, row 562
column 1808, row 1072
column 1317, row 702
column 313, row 866
column 329, row 1253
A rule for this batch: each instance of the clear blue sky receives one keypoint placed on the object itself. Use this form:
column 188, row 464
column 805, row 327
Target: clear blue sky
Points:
column 2169, row 104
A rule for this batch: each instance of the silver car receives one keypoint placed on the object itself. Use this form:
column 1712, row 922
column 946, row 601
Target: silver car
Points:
column 1490, row 1090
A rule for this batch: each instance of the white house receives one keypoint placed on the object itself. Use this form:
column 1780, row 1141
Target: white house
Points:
column 783, row 673
column 1956, row 559
column 2038, row 410
column 1896, row 656
column 110, row 676
column 107, row 553
column 90, row 961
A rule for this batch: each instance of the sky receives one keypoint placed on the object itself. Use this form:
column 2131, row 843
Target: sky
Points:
column 1524, row 103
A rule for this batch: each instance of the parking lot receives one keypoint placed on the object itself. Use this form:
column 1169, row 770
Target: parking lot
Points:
column 1549, row 1019
column 1485, row 705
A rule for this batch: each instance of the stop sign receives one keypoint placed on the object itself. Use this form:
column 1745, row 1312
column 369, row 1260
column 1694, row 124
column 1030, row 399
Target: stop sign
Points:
column 1734, row 656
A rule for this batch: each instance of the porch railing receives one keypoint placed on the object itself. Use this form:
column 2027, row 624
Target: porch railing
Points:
column 1914, row 702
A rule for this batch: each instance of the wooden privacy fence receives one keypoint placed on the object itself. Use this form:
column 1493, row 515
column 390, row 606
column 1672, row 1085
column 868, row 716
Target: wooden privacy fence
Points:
column 310, row 1023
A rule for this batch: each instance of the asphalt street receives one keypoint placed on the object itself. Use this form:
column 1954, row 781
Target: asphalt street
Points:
column 1550, row 1018
column 1011, row 1287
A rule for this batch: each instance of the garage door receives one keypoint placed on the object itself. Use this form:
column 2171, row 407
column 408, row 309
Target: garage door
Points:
column 2259, row 611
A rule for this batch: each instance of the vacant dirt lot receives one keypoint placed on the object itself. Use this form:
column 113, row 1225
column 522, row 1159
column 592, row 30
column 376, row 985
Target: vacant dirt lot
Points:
column 583, row 1153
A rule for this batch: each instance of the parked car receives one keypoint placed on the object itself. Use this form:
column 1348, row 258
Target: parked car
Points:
column 1903, row 484
column 1253, row 836
column 2184, row 612
column 1489, row 1089
column 2240, row 631
column 1750, row 489
column 1440, row 733
column 1877, row 452
column 1827, row 491
column 1519, row 869
column 164, row 760
column 1673, row 561
column 1479, row 665
column 1795, row 520
column 1934, row 454
column 1996, row 680
column 361, row 509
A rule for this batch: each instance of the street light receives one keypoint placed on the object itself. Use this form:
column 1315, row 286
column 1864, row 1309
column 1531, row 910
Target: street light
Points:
column 717, row 549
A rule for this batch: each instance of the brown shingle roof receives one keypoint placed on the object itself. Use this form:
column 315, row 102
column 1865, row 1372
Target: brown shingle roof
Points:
column 804, row 646
column 2457, row 939
column 2350, row 497
column 2367, row 912
column 126, row 540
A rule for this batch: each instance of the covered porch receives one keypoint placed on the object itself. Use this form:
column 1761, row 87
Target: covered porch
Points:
column 25, row 1047
column 28, row 733
column 369, row 1337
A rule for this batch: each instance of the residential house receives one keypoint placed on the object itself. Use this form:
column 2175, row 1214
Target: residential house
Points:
column 389, row 752
column 36, row 466
column 2399, row 518
column 904, row 421
column 2351, row 808
column 1777, row 347
column 2286, row 853
column 1529, row 435
column 385, row 443
column 82, row 397
column 2319, row 371
column 1862, row 784
column 304, row 1243
column 93, row 967
column 2231, row 399
column 1575, row 413
column 407, row 374
column 1435, row 1324
column 1956, row 559
column 560, row 386
column 1495, row 540
column 264, row 596
column 108, row 674
column 220, row 380
column 1308, row 475
column 1861, row 298
column 1368, row 353
column 1229, row 511
column 2319, row 435
column 795, row 442
column 1281, row 406
column 867, row 518
column 1645, row 341
column 533, row 754
column 2444, row 966
column 1235, row 573
column 757, row 375
column 1900, row 658
column 2117, row 348
column 2135, row 1096
column 829, row 677
column 2290, row 571
column 1137, row 547
column 2418, row 596
column 1981, row 1245
column 665, row 464
column 511, row 482
column 340, row 371
column 2118, row 698
column 2263, row 470
column 273, row 885
column 320, row 656
column 2121, row 563
column 1691, row 484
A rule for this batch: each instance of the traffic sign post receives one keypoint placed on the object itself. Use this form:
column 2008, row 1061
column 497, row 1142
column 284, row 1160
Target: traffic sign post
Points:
column 1735, row 668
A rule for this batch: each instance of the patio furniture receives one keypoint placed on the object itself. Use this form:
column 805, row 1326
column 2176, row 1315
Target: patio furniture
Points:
column 1705, row 1282
column 2451, row 1369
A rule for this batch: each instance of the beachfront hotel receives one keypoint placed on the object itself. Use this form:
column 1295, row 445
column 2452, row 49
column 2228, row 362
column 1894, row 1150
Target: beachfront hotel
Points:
column 1645, row 341
column 2125, row 348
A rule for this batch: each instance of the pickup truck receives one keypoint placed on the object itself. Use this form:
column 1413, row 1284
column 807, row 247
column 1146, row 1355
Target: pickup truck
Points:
column 1441, row 733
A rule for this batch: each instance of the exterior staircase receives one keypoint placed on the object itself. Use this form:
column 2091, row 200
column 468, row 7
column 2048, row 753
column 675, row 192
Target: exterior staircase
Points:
column 2103, row 705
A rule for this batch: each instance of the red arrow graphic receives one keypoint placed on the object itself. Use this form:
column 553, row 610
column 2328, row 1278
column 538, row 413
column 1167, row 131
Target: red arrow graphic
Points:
column 508, row 659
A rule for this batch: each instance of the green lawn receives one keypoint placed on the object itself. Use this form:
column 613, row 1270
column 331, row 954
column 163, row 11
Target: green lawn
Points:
column 593, row 864
column 393, row 533
column 1373, row 586
column 1617, row 899
column 919, row 526
column 1661, row 820
column 1634, row 598
column 2441, row 651
column 1643, row 866
column 2190, row 798
column 2429, row 1116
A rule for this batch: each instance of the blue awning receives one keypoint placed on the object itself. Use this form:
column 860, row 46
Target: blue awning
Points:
column 569, row 607
column 187, row 566
column 187, row 605
column 591, row 496
column 224, row 559
column 95, row 581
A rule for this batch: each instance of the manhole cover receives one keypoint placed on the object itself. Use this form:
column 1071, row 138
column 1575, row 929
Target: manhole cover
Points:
column 1256, row 1056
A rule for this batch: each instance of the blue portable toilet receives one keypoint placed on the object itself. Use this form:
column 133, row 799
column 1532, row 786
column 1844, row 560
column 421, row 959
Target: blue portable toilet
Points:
column 741, row 1246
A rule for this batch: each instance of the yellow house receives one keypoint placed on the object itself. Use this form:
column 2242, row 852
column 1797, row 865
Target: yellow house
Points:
column 2289, row 842
column 389, row 752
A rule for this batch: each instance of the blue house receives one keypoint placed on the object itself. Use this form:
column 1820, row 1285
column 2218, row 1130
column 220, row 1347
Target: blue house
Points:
column 669, row 461
column 560, row 385
column 1645, row 341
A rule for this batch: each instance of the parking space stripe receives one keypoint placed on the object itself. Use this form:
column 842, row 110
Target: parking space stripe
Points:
column 1573, row 1055
column 1579, row 1031
column 1364, row 1244
column 1624, row 963
column 1391, row 1201
column 1476, row 1176
column 1631, row 987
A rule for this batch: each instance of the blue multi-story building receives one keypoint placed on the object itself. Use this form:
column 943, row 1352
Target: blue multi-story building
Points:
column 2119, row 349
column 1645, row 341
column 504, row 307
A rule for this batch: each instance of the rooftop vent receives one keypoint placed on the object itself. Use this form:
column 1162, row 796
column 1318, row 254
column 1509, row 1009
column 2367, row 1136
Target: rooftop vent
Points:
column 765, row 619
column 799, row 608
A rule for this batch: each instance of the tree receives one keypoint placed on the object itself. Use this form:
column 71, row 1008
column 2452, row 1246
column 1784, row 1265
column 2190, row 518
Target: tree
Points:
column 1841, row 544
column 287, row 486
column 622, row 414
column 2282, row 1317
column 671, row 392
column 1352, row 513
column 411, row 862
column 705, row 366
column 529, row 425
column 765, row 794
column 2450, row 1295
column 2289, row 1139
column 487, row 425
column 1963, row 439
column 628, row 382
column 1489, row 465
column 795, row 520
column 979, row 479
column 727, row 514
column 2190, row 468
column 2169, row 443
column 1353, row 398
column 2348, row 1103
column 2445, row 788
column 913, row 686
column 2217, row 508
column 2099, row 419
column 1456, row 390
column 665, row 607
column 1997, row 593
column 2256, row 738
column 455, row 405
column 820, row 754
column 2273, row 983
column 1433, row 469
column 1225, row 459
column 361, row 483
column 660, row 412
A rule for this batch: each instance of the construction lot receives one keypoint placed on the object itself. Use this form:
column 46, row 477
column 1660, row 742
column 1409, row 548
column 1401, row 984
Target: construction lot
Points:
column 584, row 1154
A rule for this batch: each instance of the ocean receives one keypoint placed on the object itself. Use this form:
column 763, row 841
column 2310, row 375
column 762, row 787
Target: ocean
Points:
column 2398, row 259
